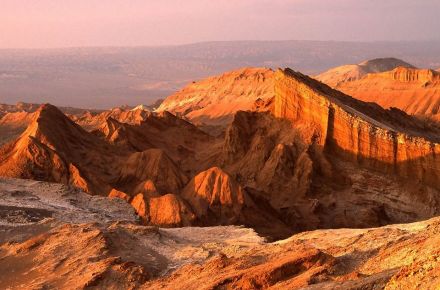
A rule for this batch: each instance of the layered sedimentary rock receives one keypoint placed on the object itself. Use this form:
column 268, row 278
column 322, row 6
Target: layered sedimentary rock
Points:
column 389, row 141
column 415, row 91
column 347, row 73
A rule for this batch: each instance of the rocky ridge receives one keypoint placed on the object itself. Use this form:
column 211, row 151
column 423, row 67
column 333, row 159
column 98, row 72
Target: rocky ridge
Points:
column 412, row 90
column 347, row 73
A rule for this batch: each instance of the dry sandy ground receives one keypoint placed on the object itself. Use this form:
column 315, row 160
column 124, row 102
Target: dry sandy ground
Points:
column 53, row 237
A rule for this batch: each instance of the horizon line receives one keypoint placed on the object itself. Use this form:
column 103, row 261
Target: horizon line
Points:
column 218, row 41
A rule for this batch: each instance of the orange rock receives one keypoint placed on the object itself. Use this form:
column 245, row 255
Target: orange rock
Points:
column 389, row 141
column 154, row 165
column 348, row 73
column 415, row 91
column 141, row 207
column 167, row 211
column 214, row 192
column 170, row 211
column 147, row 188
column 214, row 100
column 114, row 193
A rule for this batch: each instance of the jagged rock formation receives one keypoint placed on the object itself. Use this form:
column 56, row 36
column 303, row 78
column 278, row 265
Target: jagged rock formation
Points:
column 54, row 148
column 168, row 210
column 91, row 121
column 310, row 157
column 177, row 137
column 214, row 100
column 14, row 119
column 114, row 193
column 353, row 72
column 50, row 149
column 214, row 192
column 414, row 91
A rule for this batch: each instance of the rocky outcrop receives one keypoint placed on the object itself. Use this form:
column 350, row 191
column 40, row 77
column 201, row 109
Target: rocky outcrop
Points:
column 168, row 210
column 147, row 188
column 179, row 139
column 308, row 158
column 411, row 75
column 389, row 141
column 213, row 194
column 114, row 193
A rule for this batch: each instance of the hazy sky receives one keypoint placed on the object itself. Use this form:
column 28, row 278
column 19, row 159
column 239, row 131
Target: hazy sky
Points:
column 64, row 23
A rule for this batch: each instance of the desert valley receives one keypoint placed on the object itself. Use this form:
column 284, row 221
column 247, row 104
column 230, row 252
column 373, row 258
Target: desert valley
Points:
column 219, row 145
column 255, row 178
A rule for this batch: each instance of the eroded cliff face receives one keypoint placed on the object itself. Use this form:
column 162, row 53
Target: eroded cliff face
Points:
column 340, row 124
column 415, row 91
column 352, row 72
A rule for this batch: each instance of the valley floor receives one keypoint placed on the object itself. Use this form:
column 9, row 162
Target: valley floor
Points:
column 52, row 236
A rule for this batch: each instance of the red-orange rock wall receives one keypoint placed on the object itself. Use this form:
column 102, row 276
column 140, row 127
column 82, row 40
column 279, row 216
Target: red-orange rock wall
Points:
column 353, row 135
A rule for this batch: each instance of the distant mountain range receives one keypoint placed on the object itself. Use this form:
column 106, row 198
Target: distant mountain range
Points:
column 106, row 77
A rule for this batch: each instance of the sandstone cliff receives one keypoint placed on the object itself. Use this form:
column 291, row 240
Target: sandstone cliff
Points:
column 389, row 141
column 414, row 91
column 347, row 73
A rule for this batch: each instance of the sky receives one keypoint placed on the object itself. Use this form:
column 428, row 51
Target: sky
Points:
column 76, row 23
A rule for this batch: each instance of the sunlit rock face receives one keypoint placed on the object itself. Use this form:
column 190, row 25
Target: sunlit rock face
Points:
column 387, row 140
column 415, row 91
column 352, row 72
column 214, row 100
column 309, row 157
